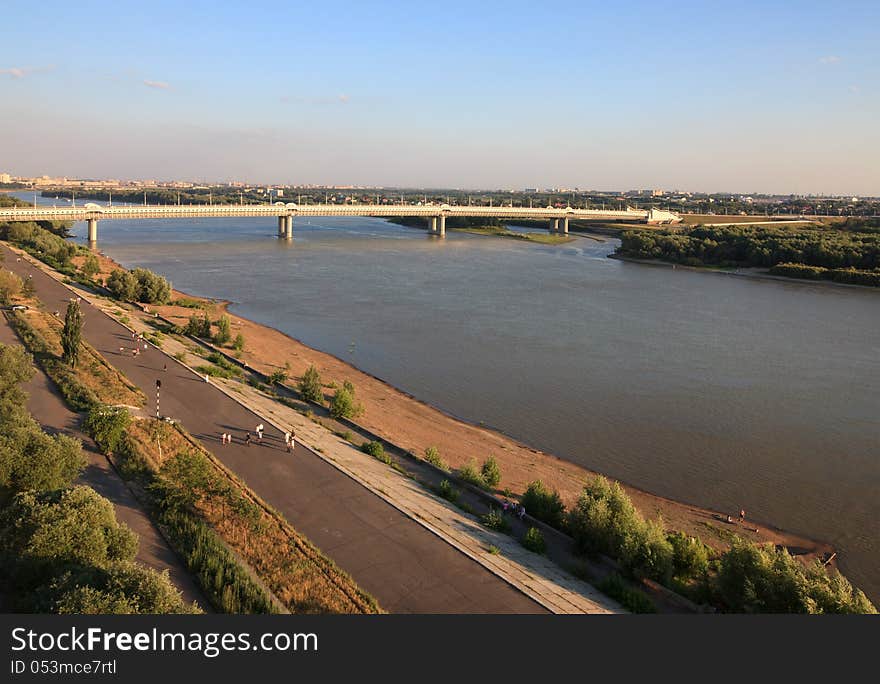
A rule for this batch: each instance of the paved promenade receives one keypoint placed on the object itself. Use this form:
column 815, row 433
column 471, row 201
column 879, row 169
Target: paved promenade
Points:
column 49, row 409
column 402, row 563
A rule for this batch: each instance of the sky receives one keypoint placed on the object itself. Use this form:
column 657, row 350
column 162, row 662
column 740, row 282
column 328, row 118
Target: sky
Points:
column 775, row 96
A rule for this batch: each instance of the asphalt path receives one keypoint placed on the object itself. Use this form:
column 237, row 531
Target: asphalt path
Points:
column 49, row 409
column 406, row 567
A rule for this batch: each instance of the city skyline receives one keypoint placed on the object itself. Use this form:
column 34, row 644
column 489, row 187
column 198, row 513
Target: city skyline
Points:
column 496, row 96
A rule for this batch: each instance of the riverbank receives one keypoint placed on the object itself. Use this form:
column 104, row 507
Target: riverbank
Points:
column 414, row 425
column 751, row 273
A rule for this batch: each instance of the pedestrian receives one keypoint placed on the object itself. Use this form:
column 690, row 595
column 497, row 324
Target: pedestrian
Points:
column 164, row 366
column 145, row 346
column 287, row 440
column 223, row 438
column 742, row 515
column 247, row 438
column 521, row 513
column 292, row 438
column 206, row 378
column 260, row 432
column 121, row 350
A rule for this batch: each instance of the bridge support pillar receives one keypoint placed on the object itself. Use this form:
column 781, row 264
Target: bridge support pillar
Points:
column 554, row 225
column 563, row 226
column 437, row 226
column 93, row 231
column 288, row 227
column 281, row 226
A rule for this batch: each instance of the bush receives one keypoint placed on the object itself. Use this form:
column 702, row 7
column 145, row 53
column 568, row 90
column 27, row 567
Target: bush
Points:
column 122, row 285
column 534, row 540
column 10, row 286
column 495, row 520
column 690, row 556
column 198, row 326
column 238, row 342
column 632, row 599
column 469, row 473
column 224, row 331
column 432, row 456
column 107, row 425
column 764, row 579
column 604, row 520
column 90, row 267
column 310, row 387
column 447, row 491
column 151, row 287
column 343, row 404
column 377, row 451
column 278, row 377
column 544, row 504
column 491, row 472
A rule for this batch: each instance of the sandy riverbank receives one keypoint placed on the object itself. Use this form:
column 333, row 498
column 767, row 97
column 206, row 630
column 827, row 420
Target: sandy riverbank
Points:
column 415, row 425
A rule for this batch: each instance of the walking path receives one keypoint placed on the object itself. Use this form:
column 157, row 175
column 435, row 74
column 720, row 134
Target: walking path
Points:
column 49, row 409
column 405, row 565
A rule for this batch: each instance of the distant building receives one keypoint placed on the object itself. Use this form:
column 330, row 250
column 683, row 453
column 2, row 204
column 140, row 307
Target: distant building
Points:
column 5, row 178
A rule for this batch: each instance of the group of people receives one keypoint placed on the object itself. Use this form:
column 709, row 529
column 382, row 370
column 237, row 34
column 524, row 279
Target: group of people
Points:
column 517, row 509
column 289, row 437
column 138, row 340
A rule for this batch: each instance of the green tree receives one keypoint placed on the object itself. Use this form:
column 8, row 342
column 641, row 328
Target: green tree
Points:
column 491, row 472
column 71, row 334
column 238, row 342
column 10, row 285
column 122, row 285
column 310, row 386
column 224, row 332
column 90, row 266
column 544, row 504
column 16, row 368
column 343, row 404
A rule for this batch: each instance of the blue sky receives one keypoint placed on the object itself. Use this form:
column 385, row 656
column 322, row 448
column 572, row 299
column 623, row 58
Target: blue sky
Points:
column 747, row 96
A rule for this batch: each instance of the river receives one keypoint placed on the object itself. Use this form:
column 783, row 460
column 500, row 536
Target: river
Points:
column 722, row 391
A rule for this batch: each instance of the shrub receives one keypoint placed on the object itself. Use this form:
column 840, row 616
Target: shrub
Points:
column 122, row 285
column 277, row 377
column 534, row 540
column 151, row 287
column 629, row 597
column 238, row 342
column 764, row 579
column 90, row 267
column 224, row 332
column 544, row 504
column 107, row 425
column 491, row 472
column 604, row 520
column 310, row 387
column 343, row 404
column 71, row 333
column 690, row 556
column 198, row 326
column 10, row 286
column 432, row 456
column 447, row 491
column 495, row 520
column 469, row 473
column 377, row 451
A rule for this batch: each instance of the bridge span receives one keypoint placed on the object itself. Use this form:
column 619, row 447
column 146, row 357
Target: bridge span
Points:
column 436, row 215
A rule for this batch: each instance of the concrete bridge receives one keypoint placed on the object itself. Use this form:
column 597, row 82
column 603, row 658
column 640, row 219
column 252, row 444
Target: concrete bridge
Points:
column 436, row 214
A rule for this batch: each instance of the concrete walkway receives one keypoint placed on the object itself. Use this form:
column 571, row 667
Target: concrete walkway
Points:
column 49, row 409
column 402, row 563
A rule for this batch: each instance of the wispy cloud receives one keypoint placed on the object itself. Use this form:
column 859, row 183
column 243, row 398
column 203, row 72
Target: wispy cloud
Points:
column 21, row 72
column 854, row 89
column 830, row 59
column 160, row 85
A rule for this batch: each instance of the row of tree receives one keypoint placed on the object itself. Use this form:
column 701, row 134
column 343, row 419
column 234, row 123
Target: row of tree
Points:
column 763, row 246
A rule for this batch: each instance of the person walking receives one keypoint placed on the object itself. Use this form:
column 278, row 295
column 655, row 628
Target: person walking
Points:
column 292, row 444
column 260, row 432
column 247, row 438
column 287, row 440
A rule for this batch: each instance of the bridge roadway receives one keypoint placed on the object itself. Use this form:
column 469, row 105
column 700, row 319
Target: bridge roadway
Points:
column 436, row 215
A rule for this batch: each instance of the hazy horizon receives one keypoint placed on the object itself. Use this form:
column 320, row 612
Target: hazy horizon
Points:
column 762, row 100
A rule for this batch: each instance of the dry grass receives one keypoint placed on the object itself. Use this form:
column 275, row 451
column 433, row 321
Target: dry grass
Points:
column 109, row 385
column 296, row 571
